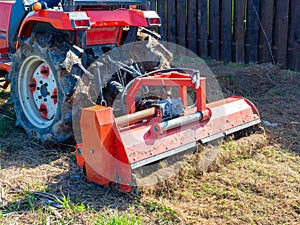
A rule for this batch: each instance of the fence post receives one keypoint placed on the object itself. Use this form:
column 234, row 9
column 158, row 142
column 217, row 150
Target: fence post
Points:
column 226, row 30
column 252, row 28
column 266, row 31
column 281, row 31
column 202, row 20
column 239, row 29
column 192, row 37
column 214, row 29
column 294, row 36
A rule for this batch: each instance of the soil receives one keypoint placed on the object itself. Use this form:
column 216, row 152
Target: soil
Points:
column 252, row 184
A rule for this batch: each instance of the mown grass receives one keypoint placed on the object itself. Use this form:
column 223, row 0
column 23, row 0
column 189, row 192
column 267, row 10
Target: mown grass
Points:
column 248, row 183
column 260, row 186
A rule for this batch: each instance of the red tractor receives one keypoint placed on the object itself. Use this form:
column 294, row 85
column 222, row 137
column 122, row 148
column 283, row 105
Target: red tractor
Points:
column 65, row 58
column 35, row 37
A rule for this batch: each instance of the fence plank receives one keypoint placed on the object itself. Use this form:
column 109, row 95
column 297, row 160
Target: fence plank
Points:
column 192, row 25
column 181, row 22
column 153, row 4
column 266, row 31
column 172, row 31
column 281, row 31
column 263, row 29
column 252, row 28
column 226, row 30
column 162, row 12
column 202, row 20
column 239, row 17
column 294, row 35
column 214, row 29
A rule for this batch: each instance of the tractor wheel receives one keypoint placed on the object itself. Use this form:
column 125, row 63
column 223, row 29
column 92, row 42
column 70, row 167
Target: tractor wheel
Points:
column 112, row 95
column 41, row 91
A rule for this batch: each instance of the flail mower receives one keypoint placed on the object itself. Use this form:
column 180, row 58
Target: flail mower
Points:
column 127, row 111
column 113, row 147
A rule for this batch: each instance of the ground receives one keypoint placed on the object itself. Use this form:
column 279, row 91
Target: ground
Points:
column 254, row 180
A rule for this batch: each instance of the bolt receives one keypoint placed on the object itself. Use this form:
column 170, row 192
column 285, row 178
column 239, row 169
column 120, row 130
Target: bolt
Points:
column 92, row 151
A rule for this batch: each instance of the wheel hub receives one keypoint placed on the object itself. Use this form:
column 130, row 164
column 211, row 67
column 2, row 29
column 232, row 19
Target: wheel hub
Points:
column 38, row 91
column 44, row 95
column 44, row 91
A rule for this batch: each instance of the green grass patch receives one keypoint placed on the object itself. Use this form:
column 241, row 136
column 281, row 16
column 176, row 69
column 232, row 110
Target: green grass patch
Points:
column 162, row 213
column 126, row 218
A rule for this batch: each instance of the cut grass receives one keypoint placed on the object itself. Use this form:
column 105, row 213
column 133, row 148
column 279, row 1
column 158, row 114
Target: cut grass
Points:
column 250, row 182
column 255, row 187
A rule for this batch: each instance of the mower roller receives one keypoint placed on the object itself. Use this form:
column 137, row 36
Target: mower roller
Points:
column 113, row 148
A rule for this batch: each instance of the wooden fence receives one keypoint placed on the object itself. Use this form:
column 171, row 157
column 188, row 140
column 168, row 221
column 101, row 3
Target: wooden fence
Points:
column 243, row 31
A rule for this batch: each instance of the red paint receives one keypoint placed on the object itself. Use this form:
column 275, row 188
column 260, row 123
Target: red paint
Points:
column 32, row 85
column 45, row 71
column 44, row 111
column 54, row 96
column 5, row 11
column 5, row 63
column 103, row 35
column 181, row 80
column 105, row 25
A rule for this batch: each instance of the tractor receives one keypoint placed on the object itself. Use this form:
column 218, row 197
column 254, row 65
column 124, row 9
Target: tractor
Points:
column 96, row 71
column 36, row 37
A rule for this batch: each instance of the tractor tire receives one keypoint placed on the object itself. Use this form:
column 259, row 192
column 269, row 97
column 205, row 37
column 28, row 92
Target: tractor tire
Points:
column 87, row 94
column 112, row 94
column 41, row 91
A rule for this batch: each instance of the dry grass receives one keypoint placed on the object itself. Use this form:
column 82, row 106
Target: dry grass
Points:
column 257, row 188
column 254, row 180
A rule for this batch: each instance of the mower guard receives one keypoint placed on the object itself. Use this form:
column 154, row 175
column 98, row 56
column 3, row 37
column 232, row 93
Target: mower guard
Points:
column 110, row 150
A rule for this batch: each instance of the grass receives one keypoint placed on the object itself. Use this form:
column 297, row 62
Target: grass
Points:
column 115, row 219
column 253, row 180
column 162, row 213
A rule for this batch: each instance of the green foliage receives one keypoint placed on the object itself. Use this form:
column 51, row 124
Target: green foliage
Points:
column 163, row 213
column 116, row 219
column 4, row 95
